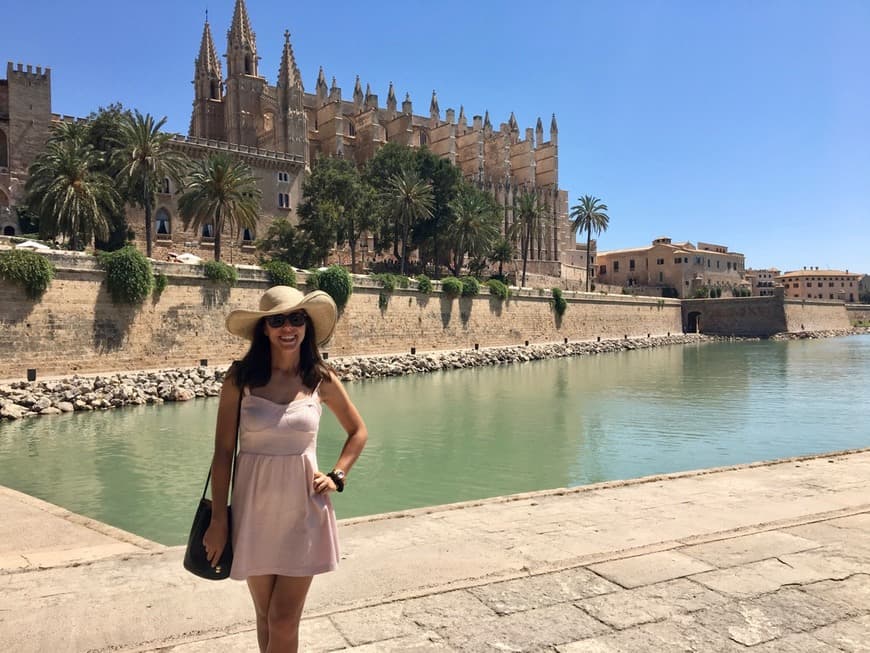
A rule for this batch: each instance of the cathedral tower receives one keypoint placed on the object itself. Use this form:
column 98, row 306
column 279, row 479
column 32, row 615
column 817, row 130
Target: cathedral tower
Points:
column 207, row 120
column 244, row 116
column 292, row 124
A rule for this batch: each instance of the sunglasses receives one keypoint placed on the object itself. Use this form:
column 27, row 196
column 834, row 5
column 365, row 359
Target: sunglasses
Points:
column 296, row 319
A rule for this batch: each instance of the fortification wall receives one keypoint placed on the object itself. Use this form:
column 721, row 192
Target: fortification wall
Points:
column 75, row 327
column 858, row 312
column 817, row 315
column 738, row 316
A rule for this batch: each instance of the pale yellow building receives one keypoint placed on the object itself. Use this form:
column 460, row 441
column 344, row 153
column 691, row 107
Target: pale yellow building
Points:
column 813, row 283
column 674, row 269
column 761, row 281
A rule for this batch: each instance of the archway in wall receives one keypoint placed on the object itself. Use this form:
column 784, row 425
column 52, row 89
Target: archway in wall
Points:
column 4, row 150
column 162, row 223
column 8, row 230
column 693, row 322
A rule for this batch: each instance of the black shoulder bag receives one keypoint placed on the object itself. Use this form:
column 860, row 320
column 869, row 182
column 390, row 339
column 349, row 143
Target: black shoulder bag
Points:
column 195, row 557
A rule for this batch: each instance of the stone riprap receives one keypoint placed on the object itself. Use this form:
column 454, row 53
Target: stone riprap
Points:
column 28, row 399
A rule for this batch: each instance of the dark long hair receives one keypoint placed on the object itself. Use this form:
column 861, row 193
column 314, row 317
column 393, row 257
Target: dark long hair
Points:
column 255, row 368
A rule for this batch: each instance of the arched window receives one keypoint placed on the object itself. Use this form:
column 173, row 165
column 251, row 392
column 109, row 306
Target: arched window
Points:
column 214, row 90
column 247, row 235
column 423, row 138
column 207, row 231
column 4, row 150
column 165, row 186
column 8, row 230
column 351, row 129
column 162, row 223
column 247, row 64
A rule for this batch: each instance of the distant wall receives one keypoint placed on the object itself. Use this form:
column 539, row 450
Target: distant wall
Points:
column 762, row 316
column 75, row 327
column 858, row 312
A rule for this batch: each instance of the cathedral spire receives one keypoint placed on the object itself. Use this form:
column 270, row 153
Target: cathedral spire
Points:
column 358, row 94
column 461, row 121
column 288, row 74
column 207, row 62
column 240, row 31
column 434, row 110
column 242, row 56
column 512, row 123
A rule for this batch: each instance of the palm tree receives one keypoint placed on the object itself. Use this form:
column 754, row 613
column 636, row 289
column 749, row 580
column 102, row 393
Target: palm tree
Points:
column 589, row 215
column 144, row 159
column 68, row 192
column 475, row 226
column 528, row 216
column 503, row 251
column 220, row 192
column 409, row 200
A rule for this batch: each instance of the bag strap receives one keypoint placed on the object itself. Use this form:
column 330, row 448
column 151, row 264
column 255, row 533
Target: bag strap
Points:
column 235, row 451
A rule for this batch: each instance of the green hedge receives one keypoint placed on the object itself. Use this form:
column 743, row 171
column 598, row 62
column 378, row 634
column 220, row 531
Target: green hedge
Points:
column 498, row 289
column 560, row 304
column 334, row 281
column 451, row 286
column 280, row 273
column 31, row 270
column 470, row 286
column 220, row 273
column 160, row 283
column 424, row 284
column 128, row 275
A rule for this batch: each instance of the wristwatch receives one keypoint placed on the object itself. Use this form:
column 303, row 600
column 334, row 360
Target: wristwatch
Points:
column 337, row 477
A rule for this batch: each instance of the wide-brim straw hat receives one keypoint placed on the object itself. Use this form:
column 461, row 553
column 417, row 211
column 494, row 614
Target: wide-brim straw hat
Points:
column 284, row 299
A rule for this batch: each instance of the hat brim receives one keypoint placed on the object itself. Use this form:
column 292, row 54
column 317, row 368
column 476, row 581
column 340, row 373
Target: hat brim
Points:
column 319, row 306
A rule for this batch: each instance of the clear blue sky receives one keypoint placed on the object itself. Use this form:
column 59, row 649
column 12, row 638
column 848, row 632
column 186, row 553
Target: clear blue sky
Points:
column 744, row 123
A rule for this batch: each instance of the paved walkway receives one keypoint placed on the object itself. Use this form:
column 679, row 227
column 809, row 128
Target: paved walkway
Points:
column 760, row 558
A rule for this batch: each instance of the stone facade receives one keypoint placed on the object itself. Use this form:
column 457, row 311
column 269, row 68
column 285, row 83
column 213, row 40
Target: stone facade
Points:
column 77, row 328
column 679, row 267
column 812, row 283
column 279, row 129
column 762, row 281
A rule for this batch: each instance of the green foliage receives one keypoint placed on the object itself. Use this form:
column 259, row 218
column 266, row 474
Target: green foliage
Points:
column 280, row 273
column 470, row 286
column 451, row 286
column 285, row 242
column 31, row 270
column 220, row 273
column 334, row 281
column 424, row 284
column 383, row 300
column 498, row 289
column 388, row 281
column 160, row 283
column 560, row 304
column 590, row 215
column 128, row 275
column 702, row 293
column 864, row 297
column 740, row 291
column 474, row 228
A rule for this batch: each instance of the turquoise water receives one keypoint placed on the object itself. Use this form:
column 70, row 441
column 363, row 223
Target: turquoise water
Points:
column 468, row 434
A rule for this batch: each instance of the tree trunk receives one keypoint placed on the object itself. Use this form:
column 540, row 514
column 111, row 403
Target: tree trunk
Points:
column 404, row 246
column 218, row 228
column 147, row 204
column 588, row 255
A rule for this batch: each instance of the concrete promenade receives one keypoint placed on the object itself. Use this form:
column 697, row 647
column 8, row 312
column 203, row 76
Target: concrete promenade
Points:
column 764, row 557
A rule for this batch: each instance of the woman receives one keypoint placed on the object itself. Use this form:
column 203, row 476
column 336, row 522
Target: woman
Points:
column 283, row 525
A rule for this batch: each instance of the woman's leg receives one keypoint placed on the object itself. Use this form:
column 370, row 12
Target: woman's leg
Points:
column 262, row 588
column 285, row 612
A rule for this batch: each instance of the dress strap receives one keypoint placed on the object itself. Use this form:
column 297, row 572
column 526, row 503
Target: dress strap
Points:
column 246, row 391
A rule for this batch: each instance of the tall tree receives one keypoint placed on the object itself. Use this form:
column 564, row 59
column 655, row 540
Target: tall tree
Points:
column 144, row 159
column 527, row 213
column 409, row 200
column 475, row 226
column 222, row 193
column 68, row 192
column 589, row 215
column 503, row 251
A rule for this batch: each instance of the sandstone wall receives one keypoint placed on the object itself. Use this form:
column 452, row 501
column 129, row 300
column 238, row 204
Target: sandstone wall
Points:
column 762, row 316
column 858, row 312
column 75, row 327
column 815, row 315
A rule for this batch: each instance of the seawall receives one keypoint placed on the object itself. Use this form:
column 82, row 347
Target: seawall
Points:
column 75, row 327
column 762, row 316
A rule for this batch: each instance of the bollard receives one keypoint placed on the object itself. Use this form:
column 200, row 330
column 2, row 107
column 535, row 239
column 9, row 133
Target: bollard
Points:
column 599, row 338
column 566, row 341
column 647, row 335
column 31, row 374
column 203, row 362
column 413, row 350
column 476, row 346
column 325, row 355
column 669, row 334
column 527, row 343
column 625, row 337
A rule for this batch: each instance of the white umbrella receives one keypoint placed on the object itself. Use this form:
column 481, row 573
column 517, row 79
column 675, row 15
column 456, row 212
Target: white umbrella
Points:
column 32, row 244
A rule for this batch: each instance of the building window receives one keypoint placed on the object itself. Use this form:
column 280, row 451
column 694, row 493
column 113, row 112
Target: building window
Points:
column 162, row 223
column 660, row 261
column 165, row 188
column 284, row 177
column 678, row 260
column 699, row 260
column 283, row 200
column 661, row 277
column 351, row 129
column 602, row 270
column 631, row 264
column 4, row 151
column 207, row 231
column 247, row 235
column 616, row 266
column 423, row 138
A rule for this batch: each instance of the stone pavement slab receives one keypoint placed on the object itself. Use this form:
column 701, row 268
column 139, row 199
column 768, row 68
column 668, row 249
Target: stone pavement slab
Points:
column 715, row 560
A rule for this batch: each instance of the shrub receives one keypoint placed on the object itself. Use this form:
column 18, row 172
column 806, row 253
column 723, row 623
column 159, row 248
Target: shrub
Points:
column 470, row 286
column 498, row 289
column 335, row 282
column 383, row 300
column 702, row 293
column 220, row 273
column 560, row 304
column 128, row 275
column 451, row 286
column 388, row 281
column 424, row 285
column 280, row 273
column 31, row 270
column 160, row 283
